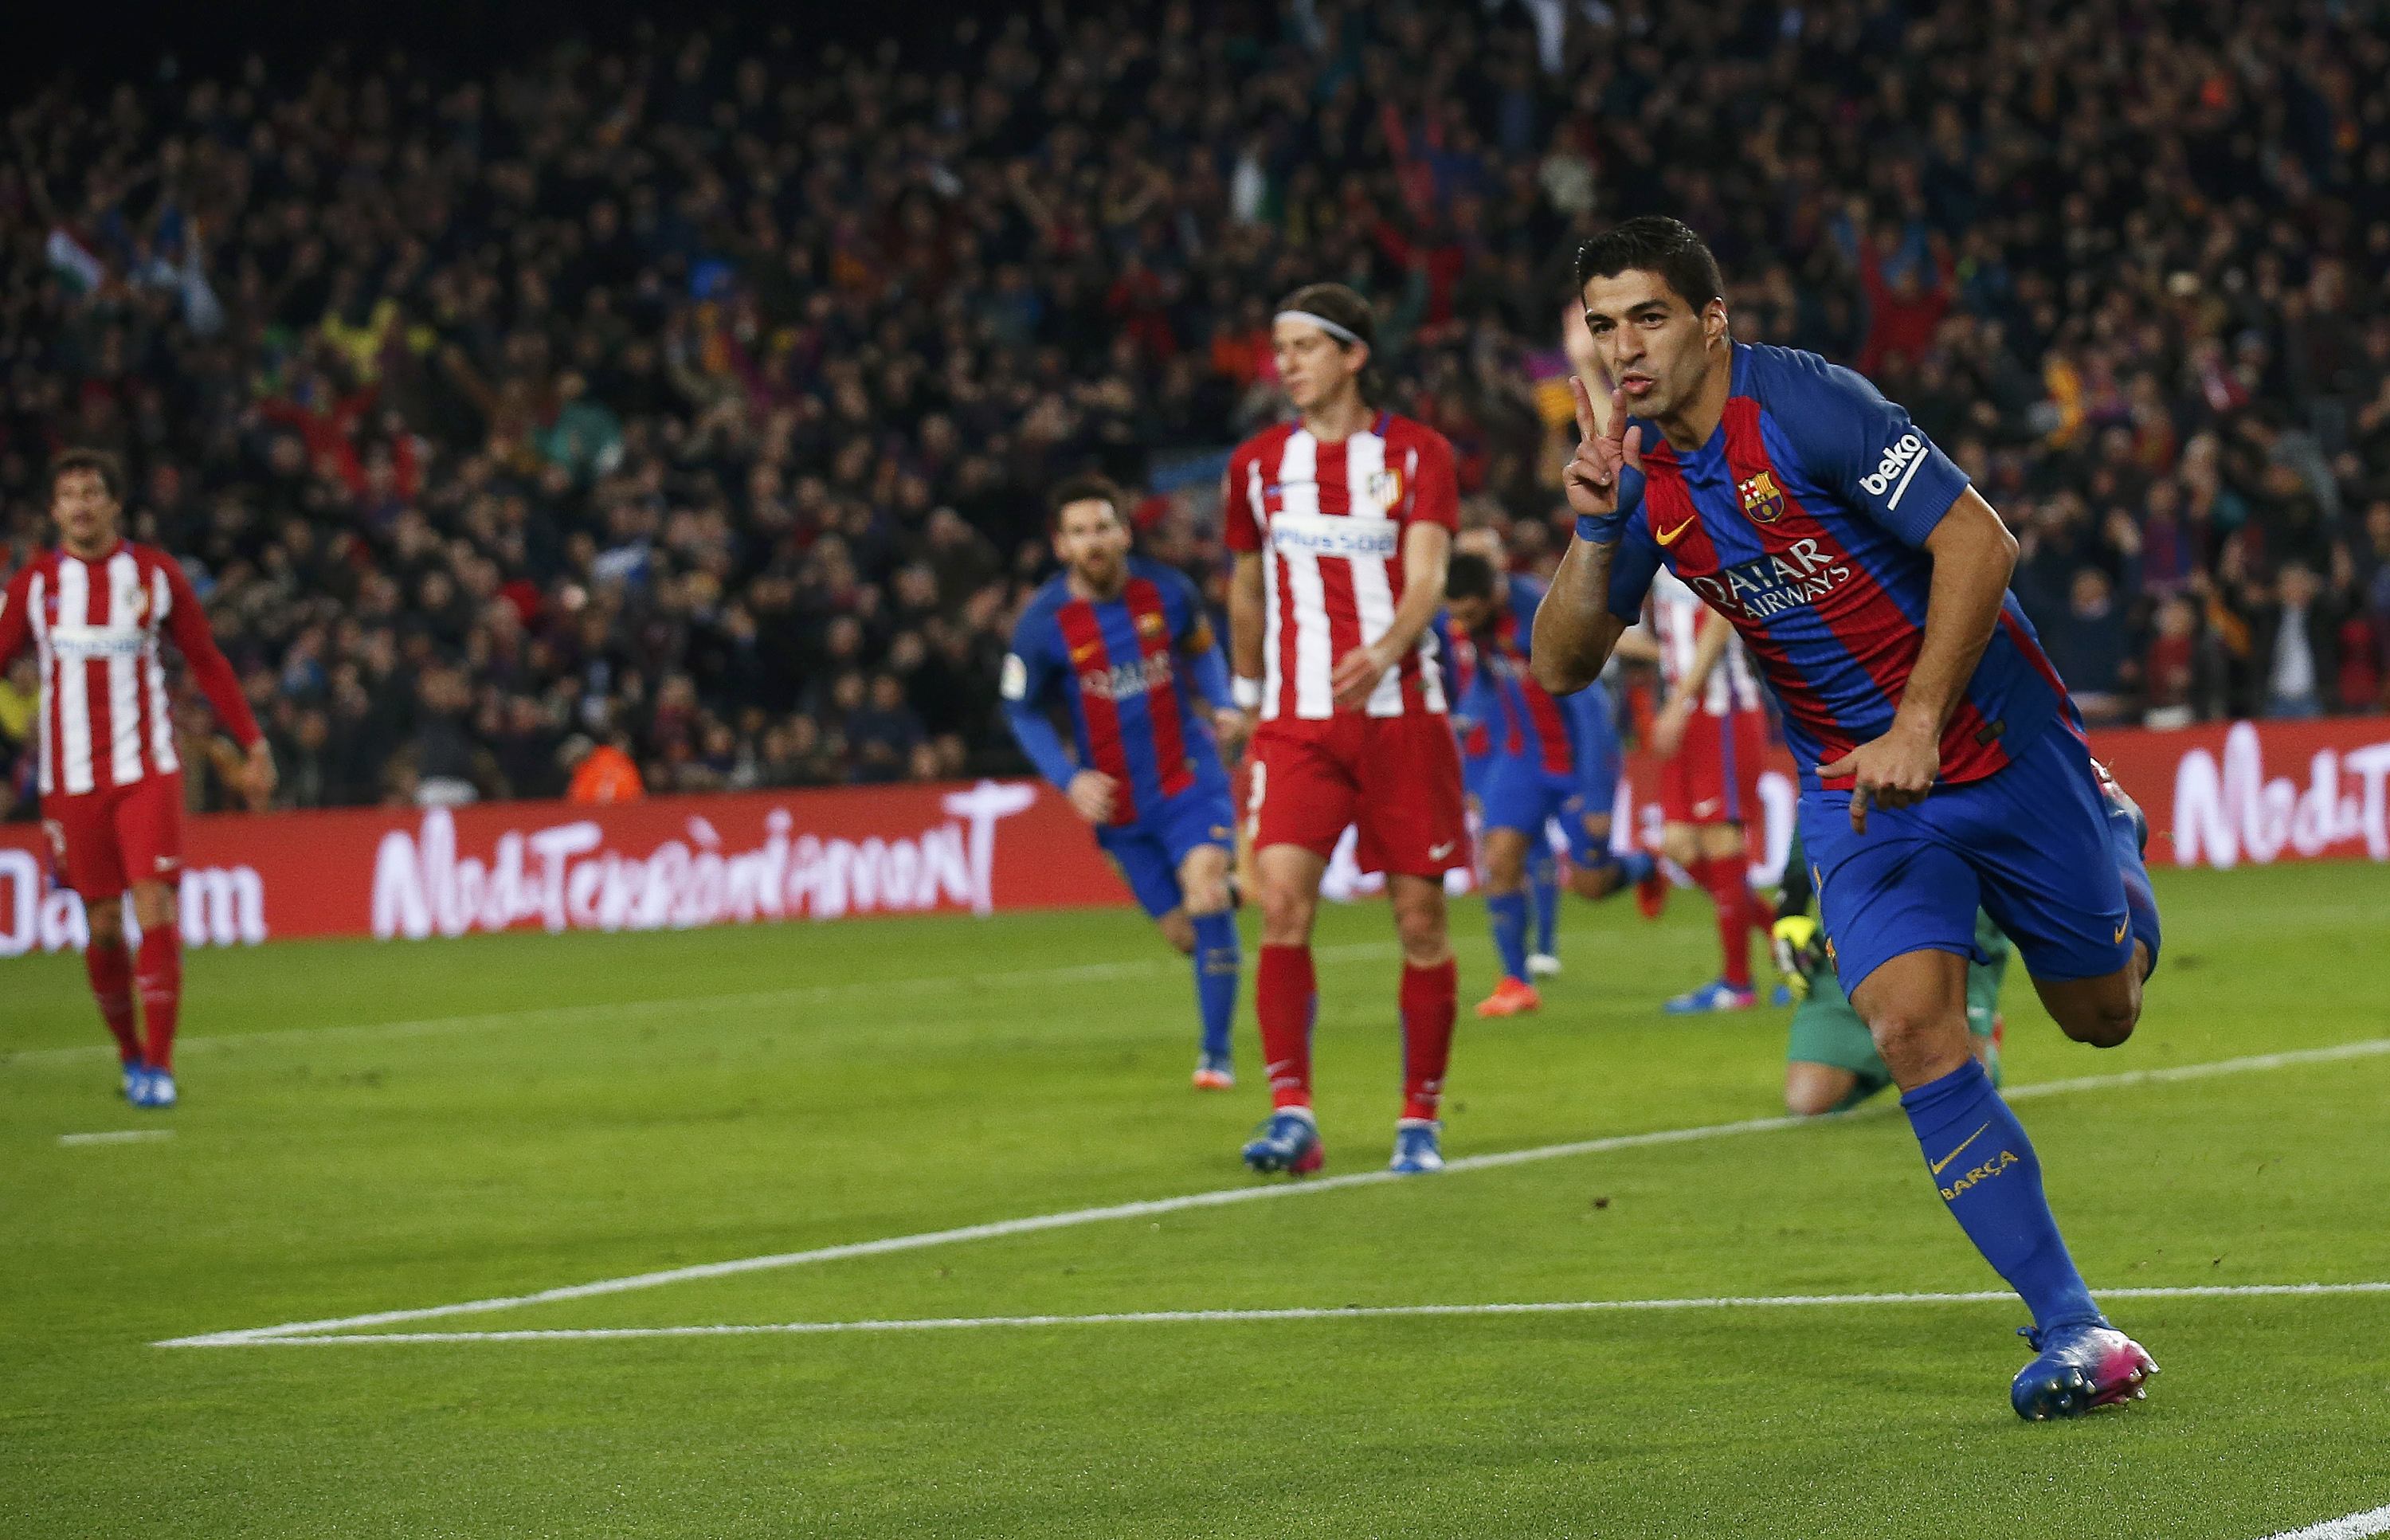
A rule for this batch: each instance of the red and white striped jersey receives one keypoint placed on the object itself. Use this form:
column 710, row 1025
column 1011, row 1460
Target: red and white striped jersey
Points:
column 1330, row 519
column 95, row 625
column 1677, row 615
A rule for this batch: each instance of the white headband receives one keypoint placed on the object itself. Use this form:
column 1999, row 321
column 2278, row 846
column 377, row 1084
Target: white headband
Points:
column 1342, row 334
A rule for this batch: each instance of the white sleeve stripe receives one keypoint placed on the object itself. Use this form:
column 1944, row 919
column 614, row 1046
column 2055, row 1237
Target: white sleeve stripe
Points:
column 1914, row 466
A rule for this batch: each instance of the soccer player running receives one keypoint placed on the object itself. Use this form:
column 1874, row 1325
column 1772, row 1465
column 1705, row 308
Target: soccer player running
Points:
column 1341, row 523
column 1711, row 739
column 1942, row 763
column 1539, row 765
column 112, row 788
column 1118, row 637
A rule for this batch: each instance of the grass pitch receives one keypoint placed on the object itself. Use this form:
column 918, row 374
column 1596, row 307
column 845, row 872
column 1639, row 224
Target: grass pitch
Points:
column 375, row 1128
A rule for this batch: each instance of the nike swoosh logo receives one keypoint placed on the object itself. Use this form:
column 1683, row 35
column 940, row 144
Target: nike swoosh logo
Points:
column 1668, row 537
column 1438, row 852
column 1937, row 1166
column 2121, row 927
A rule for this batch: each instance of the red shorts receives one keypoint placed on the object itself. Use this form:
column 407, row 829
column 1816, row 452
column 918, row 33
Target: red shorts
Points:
column 1397, row 777
column 1715, row 776
column 105, row 841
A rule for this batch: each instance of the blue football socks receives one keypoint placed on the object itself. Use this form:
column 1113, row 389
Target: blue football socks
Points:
column 1984, row 1168
column 1509, row 914
column 1219, row 967
column 1544, row 881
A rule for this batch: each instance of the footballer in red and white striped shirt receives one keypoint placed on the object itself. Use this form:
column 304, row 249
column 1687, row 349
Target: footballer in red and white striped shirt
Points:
column 93, row 610
column 1342, row 525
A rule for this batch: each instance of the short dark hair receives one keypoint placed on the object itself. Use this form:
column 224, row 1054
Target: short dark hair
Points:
column 1088, row 486
column 1469, row 576
column 99, row 461
column 1654, row 243
column 1337, row 302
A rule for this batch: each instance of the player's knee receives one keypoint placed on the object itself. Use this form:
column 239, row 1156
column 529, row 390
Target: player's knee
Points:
column 1916, row 1039
column 2105, row 1021
column 1806, row 1098
column 153, row 905
column 105, row 920
column 1286, row 916
column 1179, row 931
column 1421, row 930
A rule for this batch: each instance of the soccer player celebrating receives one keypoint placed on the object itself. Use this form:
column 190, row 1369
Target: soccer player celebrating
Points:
column 1341, row 523
column 1942, row 763
column 1711, row 738
column 111, row 786
column 1538, row 766
column 1119, row 637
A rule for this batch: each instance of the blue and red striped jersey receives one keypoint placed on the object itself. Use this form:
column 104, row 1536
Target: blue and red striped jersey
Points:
column 1520, row 719
column 1804, row 521
column 1122, row 665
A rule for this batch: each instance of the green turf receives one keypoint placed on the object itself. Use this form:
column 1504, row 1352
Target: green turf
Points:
column 497, row 1115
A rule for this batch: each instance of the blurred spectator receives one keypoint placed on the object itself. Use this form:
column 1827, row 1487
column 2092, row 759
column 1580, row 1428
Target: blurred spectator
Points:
column 600, row 772
column 2091, row 647
column 682, row 391
column 2297, row 641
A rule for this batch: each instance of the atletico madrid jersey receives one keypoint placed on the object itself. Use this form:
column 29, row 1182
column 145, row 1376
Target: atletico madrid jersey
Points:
column 1119, row 664
column 1804, row 521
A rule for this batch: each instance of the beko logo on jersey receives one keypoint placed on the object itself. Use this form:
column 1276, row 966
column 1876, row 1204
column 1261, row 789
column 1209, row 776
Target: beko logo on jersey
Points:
column 1893, row 472
column 1326, row 534
column 1772, row 584
column 1126, row 681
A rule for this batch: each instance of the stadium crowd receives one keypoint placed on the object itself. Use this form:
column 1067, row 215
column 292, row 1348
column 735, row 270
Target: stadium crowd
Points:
column 694, row 396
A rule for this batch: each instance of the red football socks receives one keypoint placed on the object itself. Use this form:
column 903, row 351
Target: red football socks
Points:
column 1429, row 1000
column 1728, row 881
column 110, row 970
column 160, row 973
column 1286, row 998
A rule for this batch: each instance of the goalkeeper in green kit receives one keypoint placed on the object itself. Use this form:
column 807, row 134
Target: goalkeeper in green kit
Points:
column 1831, row 1064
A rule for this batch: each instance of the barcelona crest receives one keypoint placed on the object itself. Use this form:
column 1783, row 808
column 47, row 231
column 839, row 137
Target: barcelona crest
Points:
column 1761, row 503
column 1150, row 624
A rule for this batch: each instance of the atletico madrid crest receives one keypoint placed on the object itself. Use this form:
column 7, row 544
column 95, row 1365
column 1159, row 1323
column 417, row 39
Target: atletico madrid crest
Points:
column 1761, row 503
column 1385, row 487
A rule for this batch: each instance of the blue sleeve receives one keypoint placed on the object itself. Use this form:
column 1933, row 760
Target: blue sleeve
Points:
column 1846, row 438
column 1631, row 569
column 1199, row 643
column 1027, row 685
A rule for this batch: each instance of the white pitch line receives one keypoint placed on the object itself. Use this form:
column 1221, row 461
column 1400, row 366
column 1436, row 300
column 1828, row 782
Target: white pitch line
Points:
column 606, row 1011
column 118, row 1135
column 1316, row 1313
column 2356, row 1526
column 1069, row 1218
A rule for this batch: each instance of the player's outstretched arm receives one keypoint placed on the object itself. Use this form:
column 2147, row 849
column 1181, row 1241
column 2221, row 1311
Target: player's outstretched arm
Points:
column 1973, row 556
column 187, row 624
column 16, row 629
column 1576, row 627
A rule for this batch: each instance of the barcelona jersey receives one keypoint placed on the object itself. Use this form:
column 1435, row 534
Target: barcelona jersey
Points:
column 1119, row 665
column 1802, row 521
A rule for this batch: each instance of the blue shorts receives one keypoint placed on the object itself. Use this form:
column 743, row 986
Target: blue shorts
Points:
column 1149, row 851
column 1521, row 794
column 2030, row 843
